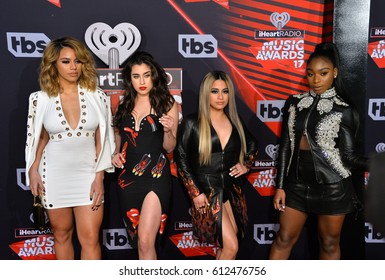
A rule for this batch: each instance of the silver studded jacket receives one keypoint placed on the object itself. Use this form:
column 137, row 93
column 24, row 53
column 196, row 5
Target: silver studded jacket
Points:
column 328, row 123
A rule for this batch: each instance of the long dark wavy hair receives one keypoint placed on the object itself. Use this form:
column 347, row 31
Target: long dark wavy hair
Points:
column 160, row 98
column 329, row 51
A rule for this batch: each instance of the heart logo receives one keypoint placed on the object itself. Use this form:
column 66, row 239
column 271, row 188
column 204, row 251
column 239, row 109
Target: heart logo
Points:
column 272, row 151
column 279, row 20
column 113, row 45
column 380, row 147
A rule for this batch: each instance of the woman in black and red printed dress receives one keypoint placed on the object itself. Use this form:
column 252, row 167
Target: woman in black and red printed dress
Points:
column 145, row 131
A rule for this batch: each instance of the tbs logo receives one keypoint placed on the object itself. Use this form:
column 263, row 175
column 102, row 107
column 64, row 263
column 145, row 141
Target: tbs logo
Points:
column 270, row 110
column 265, row 233
column 372, row 235
column 376, row 109
column 197, row 46
column 116, row 239
column 26, row 44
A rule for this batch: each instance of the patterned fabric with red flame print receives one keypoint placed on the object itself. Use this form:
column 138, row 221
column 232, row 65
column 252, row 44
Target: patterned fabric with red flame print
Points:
column 146, row 169
column 141, row 166
column 213, row 179
column 132, row 135
column 205, row 225
column 156, row 171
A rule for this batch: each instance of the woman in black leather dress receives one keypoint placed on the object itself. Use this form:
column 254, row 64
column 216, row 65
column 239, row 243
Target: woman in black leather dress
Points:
column 316, row 156
column 213, row 151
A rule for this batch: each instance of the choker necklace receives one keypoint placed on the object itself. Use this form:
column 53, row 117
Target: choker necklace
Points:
column 327, row 94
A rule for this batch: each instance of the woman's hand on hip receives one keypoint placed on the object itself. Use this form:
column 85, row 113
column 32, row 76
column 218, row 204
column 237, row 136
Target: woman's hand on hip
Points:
column 238, row 170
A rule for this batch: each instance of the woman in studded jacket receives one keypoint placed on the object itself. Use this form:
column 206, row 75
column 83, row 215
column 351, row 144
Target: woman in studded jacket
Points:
column 213, row 151
column 69, row 145
column 316, row 156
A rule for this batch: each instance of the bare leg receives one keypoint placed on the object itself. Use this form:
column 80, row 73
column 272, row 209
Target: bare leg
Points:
column 149, row 224
column 291, row 224
column 88, row 224
column 63, row 226
column 229, row 235
column 329, row 227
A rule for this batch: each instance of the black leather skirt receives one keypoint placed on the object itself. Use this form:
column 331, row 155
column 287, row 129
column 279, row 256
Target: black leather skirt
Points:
column 325, row 199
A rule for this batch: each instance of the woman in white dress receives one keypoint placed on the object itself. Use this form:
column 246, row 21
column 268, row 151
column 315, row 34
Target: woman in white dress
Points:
column 69, row 144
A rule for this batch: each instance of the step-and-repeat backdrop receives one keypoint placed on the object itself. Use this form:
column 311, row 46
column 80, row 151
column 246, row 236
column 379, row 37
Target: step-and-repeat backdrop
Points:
column 262, row 44
column 375, row 108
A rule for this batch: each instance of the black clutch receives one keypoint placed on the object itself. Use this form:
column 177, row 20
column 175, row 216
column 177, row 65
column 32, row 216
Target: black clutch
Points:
column 39, row 214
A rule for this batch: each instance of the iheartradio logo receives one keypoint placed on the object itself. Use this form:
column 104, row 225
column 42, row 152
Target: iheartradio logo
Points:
column 272, row 151
column 279, row 20
column 113, row 45
column 380, row 147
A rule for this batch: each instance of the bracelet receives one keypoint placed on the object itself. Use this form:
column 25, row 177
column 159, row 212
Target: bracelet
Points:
column 114, row 154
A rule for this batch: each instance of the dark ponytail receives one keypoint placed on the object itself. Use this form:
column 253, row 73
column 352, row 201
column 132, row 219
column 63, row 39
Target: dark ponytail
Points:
column 330, row 52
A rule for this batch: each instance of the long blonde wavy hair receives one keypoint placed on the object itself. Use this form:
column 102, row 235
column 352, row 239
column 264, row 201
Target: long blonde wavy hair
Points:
column 205, row 120
column 49, row 76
